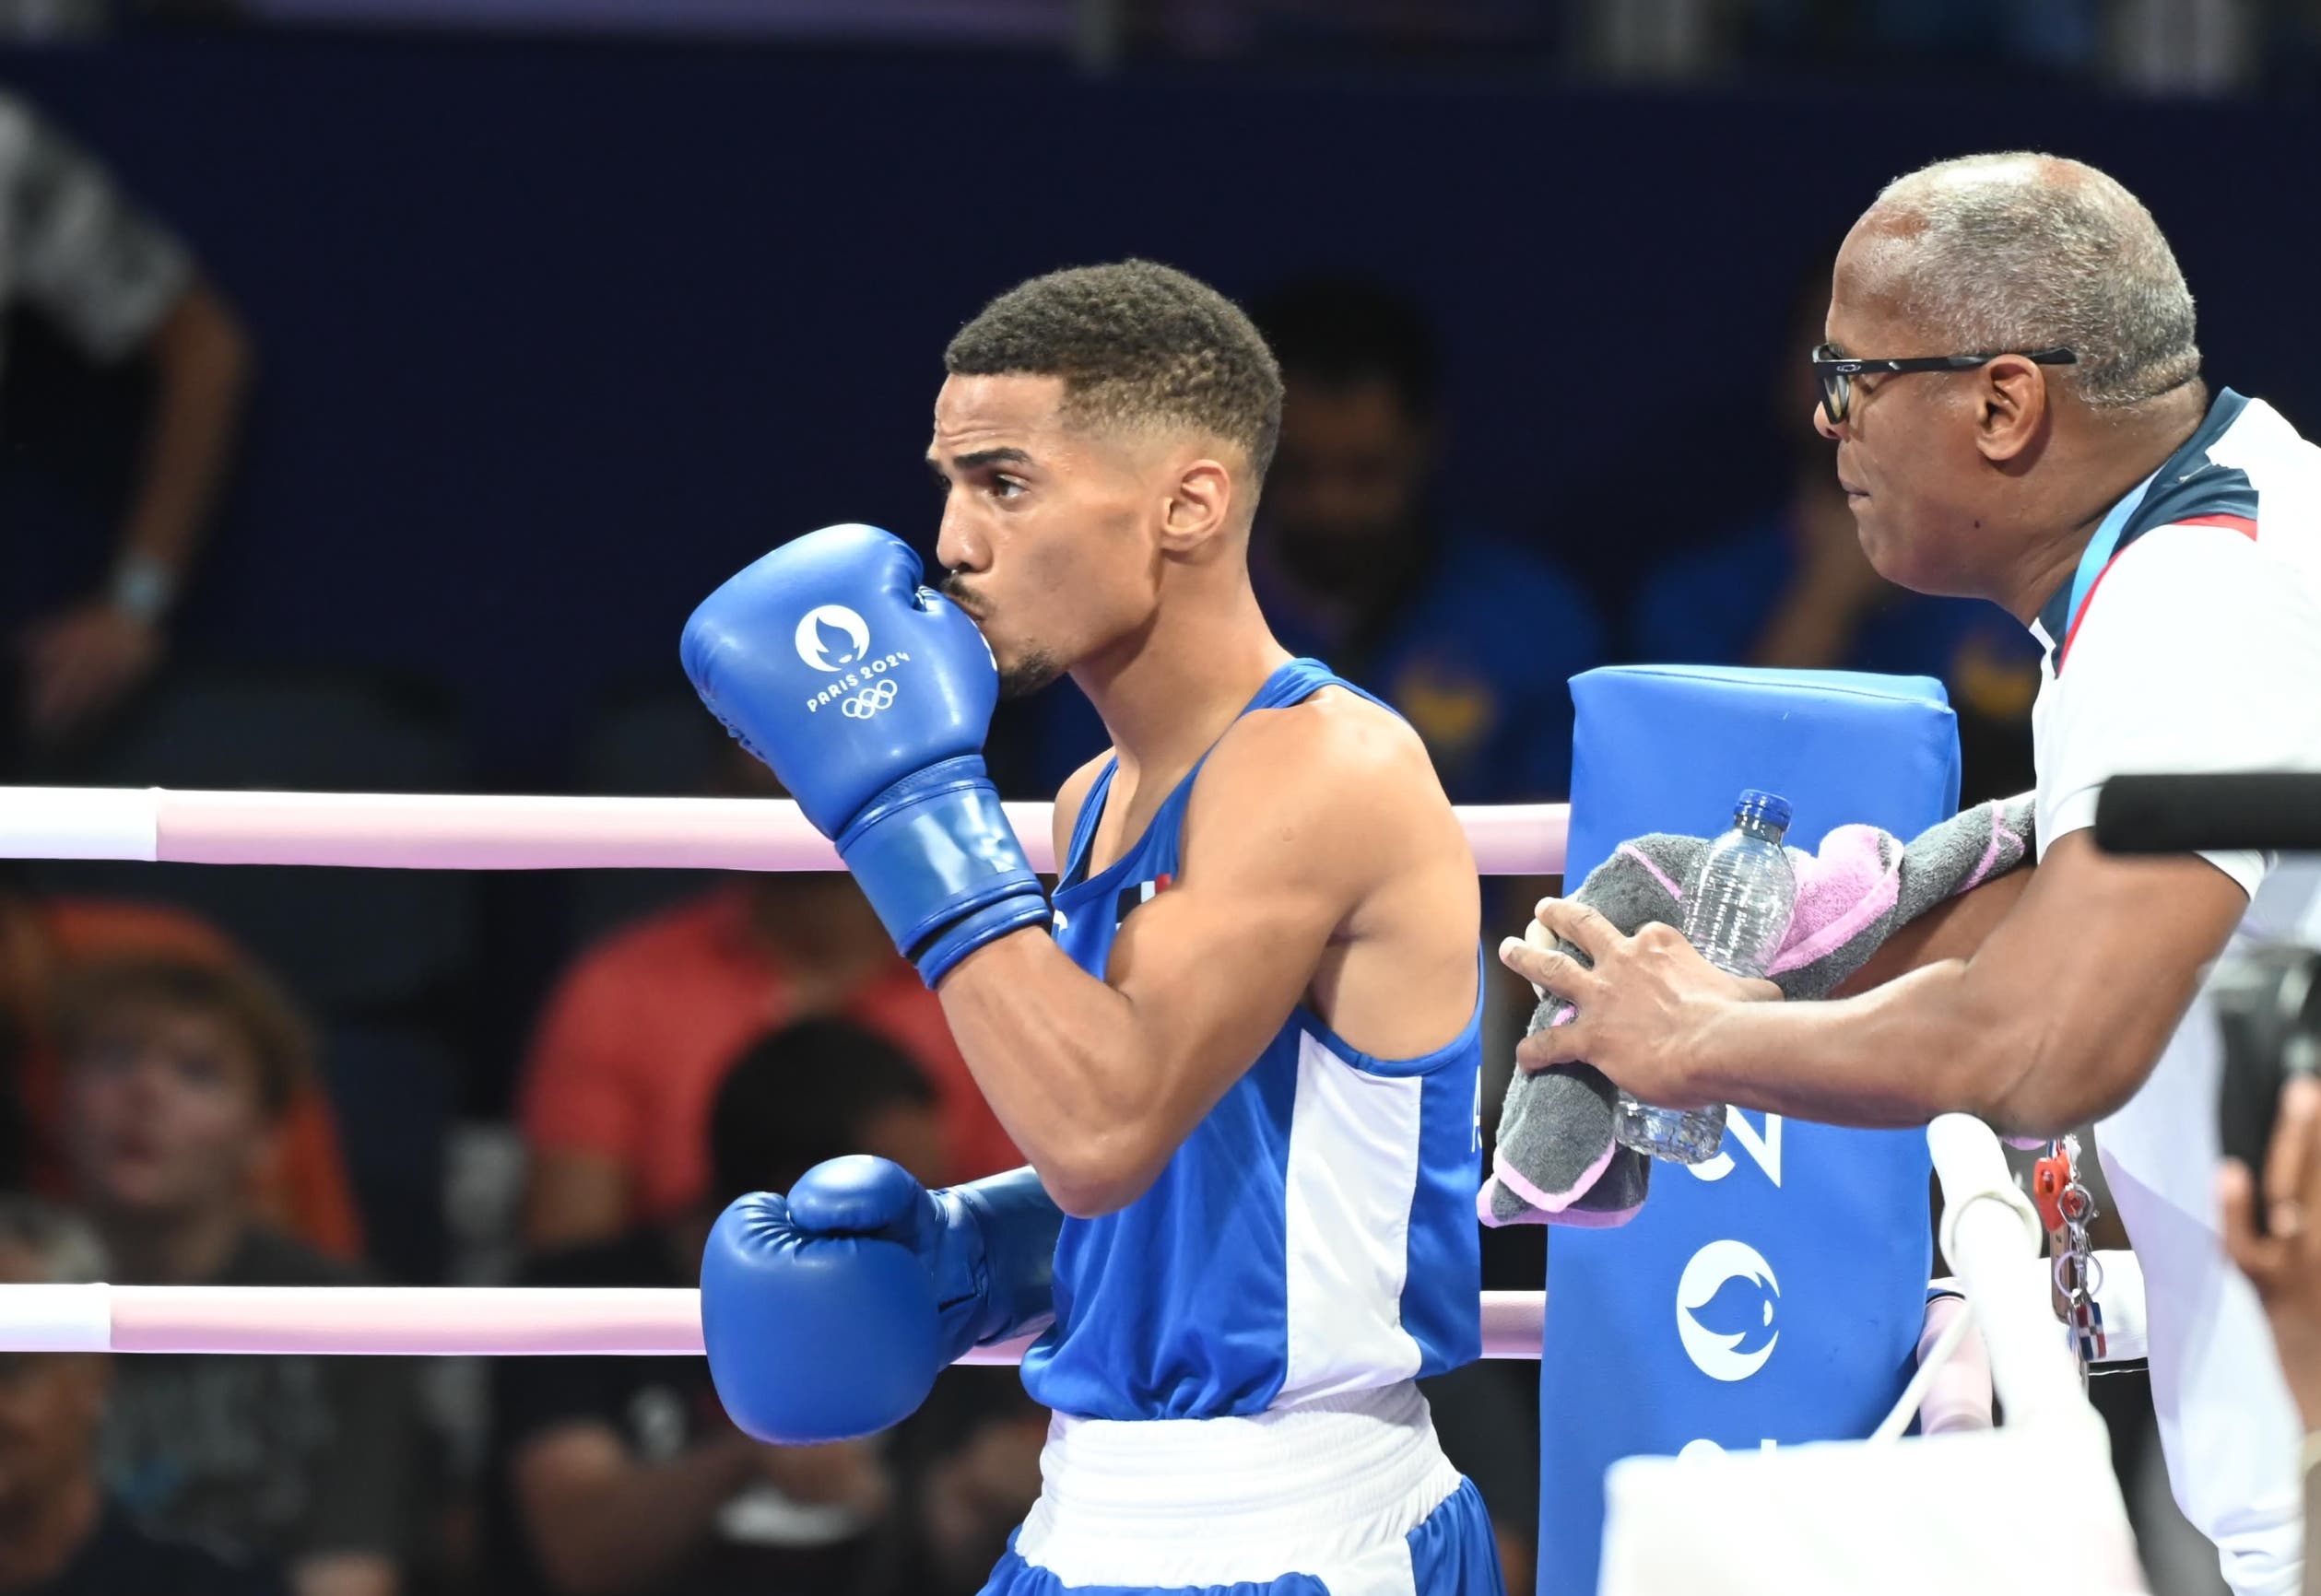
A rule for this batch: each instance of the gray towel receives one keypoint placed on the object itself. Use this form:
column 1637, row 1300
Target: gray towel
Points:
column 1556, row 1162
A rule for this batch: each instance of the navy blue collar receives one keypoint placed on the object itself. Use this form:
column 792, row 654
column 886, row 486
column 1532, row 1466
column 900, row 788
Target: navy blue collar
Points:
column 2187, row 483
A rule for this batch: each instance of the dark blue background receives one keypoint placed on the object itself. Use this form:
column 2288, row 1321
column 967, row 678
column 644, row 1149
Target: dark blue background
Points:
column 553, row 338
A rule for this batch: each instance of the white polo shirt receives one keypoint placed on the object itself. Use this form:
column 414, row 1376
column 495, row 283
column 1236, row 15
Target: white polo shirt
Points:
column 2189, row 641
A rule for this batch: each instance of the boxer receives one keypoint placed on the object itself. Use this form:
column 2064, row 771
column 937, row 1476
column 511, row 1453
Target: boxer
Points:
column 1239, row 1046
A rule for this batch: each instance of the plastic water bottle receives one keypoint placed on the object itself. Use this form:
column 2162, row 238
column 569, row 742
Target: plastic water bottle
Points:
column 1737, row 910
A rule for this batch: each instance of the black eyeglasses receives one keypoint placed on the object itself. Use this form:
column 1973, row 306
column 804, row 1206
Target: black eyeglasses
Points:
column 1837, row 371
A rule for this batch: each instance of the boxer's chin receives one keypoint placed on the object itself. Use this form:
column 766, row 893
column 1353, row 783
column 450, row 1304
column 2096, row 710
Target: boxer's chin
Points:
column 1021, row 679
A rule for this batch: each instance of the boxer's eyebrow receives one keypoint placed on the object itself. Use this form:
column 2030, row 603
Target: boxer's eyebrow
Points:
column 975, row 461
column 980, row 458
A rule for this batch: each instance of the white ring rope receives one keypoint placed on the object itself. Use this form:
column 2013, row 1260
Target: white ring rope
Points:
column 457, row 831
column 451, row 1320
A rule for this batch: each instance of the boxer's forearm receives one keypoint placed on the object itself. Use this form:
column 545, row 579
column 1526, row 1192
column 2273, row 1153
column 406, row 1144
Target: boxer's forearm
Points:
column 1062, row 1062
column 1100, row 1076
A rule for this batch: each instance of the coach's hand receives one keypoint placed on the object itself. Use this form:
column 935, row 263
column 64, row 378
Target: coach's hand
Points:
column 1643, row 1002
column 870, row 697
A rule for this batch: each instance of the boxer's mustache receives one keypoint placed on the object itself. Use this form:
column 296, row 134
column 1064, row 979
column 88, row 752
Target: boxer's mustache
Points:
column 954, row 588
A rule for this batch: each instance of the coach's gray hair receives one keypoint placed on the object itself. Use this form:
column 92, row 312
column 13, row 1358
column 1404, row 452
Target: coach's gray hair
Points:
column 64, row 1244
column 2024, row 251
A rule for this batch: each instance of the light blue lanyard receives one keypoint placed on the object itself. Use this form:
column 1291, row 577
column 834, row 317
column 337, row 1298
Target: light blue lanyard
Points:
column 2099, row 552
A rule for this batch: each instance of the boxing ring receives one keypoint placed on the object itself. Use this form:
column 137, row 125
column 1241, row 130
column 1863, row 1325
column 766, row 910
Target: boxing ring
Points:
column 1826, row 1505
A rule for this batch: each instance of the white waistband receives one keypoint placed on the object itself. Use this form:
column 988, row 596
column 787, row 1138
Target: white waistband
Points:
column 1331, row 1488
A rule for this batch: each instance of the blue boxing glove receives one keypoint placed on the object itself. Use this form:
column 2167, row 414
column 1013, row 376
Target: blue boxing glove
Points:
column 870, row 697
column 828, row 1313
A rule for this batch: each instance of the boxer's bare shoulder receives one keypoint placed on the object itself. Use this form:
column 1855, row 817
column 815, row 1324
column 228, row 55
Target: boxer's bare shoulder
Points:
column 1339, row 798
column 1358, row 770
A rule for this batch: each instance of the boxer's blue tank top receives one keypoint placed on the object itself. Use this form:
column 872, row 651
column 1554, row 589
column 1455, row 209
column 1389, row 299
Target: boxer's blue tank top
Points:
column 1315, row 1235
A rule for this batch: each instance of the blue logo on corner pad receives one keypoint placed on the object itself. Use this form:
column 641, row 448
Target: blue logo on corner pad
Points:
column 1741, row 1308
column 1726, row 1305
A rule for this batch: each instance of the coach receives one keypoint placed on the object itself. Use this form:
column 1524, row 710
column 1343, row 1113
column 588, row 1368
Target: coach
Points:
column 2013, row 387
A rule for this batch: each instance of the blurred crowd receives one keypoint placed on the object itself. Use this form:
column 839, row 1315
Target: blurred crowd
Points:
column 260, row 1078
column 2163, row 46
column 2149, row 46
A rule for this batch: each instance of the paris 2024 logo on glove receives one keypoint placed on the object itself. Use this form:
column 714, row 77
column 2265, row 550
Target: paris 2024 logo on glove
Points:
column 836, row 641
column 814, row 642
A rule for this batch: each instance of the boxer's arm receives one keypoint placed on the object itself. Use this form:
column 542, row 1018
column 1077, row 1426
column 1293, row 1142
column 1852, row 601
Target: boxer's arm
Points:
column 1297, row 816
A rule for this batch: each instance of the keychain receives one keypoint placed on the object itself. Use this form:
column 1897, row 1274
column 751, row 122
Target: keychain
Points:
column 2066, row 1208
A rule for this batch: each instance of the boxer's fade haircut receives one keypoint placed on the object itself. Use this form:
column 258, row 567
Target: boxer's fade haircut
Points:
column 2023, row 251
column 1136, row 343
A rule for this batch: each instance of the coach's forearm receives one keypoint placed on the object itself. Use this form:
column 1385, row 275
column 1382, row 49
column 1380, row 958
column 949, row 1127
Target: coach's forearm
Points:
column 1925, row 1044
column 1955, row 930
column 1064, row 1064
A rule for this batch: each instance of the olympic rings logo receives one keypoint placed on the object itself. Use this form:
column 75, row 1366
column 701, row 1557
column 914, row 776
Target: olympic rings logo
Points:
column 869, row 703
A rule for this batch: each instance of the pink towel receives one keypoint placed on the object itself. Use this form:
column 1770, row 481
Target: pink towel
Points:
column 1556, row 1162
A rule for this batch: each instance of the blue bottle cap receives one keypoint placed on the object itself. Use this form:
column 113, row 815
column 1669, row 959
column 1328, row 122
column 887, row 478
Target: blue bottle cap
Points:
column 1769, row 807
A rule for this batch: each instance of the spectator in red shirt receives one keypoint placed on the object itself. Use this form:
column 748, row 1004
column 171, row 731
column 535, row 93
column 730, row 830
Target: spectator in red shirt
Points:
column 638, row 1033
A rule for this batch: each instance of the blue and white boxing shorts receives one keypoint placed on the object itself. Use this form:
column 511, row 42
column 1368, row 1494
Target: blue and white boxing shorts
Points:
column 1349, row 1496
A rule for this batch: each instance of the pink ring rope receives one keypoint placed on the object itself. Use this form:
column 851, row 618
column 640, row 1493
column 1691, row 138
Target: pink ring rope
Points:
column 475, row 832
column 1980, row 1238
column 452, row 1321
column 451, row 831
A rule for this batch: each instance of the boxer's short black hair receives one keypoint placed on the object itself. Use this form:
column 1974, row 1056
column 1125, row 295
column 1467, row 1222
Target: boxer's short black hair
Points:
column 1136, row 343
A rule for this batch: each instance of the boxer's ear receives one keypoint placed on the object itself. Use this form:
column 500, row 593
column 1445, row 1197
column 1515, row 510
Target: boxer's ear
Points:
column 1203, row 496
